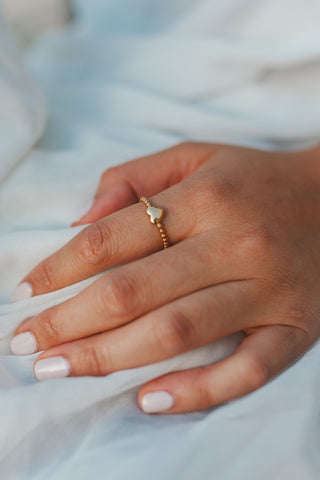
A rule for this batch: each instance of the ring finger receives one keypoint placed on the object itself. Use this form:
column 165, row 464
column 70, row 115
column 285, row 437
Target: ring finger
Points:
column 182, row 325
column 117, row 239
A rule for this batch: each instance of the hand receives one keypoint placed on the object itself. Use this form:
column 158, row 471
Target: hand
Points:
column 244, row 228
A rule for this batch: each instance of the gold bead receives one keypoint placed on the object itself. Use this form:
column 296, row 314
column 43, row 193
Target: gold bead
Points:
column 157, row 221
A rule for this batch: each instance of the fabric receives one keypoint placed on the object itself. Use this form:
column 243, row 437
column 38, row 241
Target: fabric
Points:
column 128, row 78
column 22, row 109
column 33, row 17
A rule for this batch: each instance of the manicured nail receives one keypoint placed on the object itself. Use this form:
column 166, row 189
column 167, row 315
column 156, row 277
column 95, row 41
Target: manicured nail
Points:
column 157, row 402
column 21, row 292
column 24, row 344
column 52, row 367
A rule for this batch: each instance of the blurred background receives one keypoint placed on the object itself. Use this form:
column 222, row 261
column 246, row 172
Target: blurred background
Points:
column 30, row 18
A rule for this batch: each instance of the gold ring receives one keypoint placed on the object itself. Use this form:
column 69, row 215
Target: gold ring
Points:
column 156, row 215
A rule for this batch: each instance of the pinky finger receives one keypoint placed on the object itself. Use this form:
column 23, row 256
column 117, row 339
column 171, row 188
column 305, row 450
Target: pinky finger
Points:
column 262, row 355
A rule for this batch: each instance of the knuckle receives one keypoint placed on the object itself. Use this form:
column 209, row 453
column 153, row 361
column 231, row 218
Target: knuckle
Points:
column 223, row 188
column 97, row 360
column 182, row 150
column 258, row 242
column 175, row 334
column 214, row 195
column 49, row 330
column 45, row 276
column 96, row 243
column 185, row 146
column 111, row 173
column 190, row 155
column 119, row 295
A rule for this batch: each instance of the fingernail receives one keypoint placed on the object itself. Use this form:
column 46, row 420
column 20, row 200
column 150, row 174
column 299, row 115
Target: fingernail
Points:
column 156, row 402
column 53, row 367
column 88, row 208
column 24, row 344
column 86, row 211
column 21, row 292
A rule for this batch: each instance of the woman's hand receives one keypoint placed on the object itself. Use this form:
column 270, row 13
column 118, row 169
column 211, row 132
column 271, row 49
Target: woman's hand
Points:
column 244, row 228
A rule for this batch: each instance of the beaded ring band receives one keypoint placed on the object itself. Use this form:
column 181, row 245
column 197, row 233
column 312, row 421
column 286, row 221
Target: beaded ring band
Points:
column 156, row 215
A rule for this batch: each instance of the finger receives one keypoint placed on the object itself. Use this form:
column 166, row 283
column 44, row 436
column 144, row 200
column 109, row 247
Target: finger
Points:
column 123, row 185
column 117, row 239
column 261, row 356
column 120, row 196
column 129, row 292
column 183, row 325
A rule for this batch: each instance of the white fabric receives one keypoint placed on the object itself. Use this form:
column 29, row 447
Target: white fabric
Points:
column 33, row 17
column 128, row 78
column 22, row 110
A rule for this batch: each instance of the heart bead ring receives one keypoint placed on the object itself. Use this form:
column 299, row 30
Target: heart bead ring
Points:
column 156, row 215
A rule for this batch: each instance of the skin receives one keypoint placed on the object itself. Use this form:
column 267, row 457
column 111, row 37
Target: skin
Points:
column 244, row 229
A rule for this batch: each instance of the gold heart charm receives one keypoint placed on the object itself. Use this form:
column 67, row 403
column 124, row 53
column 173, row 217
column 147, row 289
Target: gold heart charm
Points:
column 156, row 214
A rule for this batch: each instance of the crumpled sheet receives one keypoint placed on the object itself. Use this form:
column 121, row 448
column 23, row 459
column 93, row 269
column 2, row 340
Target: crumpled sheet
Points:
column 128, row 78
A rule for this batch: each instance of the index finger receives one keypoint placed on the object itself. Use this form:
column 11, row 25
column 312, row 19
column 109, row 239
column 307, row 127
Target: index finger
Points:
column 117, row 239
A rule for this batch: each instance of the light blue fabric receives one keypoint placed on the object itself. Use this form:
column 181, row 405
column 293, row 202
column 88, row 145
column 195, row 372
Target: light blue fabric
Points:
column 22, row 113
column 130, row 77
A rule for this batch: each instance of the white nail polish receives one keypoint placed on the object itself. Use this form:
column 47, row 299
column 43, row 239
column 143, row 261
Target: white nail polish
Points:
column 24, row 344
column 22, row 292
column 157, row 402
column 52, row 367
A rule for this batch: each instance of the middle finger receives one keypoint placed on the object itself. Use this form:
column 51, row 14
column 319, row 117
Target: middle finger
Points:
column 185, row 324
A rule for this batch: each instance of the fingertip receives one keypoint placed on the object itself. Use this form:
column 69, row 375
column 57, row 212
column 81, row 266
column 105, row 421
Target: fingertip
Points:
column 50, row 368
column 24, row 343
column 78, row 223
column 156, row 402
column 177, row 393
column 86, row 213
column 22, row 292
column 117, row 197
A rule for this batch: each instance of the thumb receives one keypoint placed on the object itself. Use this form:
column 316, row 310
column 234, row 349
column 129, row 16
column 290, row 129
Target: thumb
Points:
column 123, row 185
